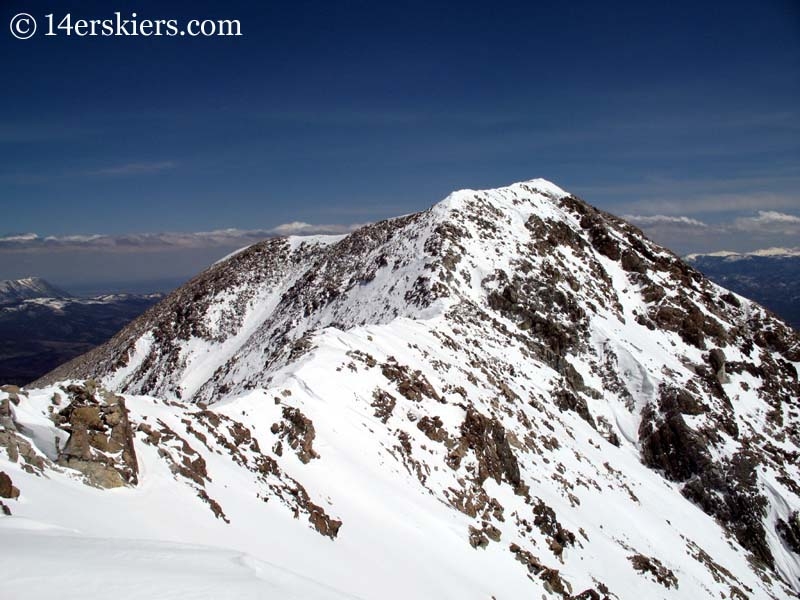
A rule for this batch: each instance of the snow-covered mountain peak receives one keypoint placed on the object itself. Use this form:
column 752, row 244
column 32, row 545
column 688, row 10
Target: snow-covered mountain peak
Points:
column 520, row 388
column 16, row 290
column 517, row 198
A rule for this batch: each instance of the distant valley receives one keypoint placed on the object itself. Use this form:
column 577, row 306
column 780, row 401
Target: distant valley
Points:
column 770, row 277
column 42, row 326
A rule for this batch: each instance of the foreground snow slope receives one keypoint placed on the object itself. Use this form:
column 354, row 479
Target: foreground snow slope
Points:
column 509, row 395
column 79, row 567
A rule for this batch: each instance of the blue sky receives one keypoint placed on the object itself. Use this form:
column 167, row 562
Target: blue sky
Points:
column 338, row 113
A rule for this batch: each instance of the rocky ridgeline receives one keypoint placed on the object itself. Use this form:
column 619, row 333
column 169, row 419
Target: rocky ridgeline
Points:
column 507, row 352
column 94, row 423
column 101, row 438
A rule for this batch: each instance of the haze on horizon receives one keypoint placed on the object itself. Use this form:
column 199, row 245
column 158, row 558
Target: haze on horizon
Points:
column 143, row 159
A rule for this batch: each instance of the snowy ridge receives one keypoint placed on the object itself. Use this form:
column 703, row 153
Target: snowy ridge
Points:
column 16, row 290
column 509, row 395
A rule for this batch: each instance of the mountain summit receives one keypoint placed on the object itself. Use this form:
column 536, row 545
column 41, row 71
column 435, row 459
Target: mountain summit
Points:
column 511, row 394
column 16, row 290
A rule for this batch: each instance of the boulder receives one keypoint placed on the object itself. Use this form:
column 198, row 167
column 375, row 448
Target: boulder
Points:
column 7, row 489
column 100, row 444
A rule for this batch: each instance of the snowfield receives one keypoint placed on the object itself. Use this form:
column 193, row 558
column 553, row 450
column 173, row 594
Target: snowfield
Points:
column 131, row 569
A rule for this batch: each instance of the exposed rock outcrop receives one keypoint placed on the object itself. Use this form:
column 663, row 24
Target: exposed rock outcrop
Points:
column 7, row 489
column 299, row 433
column 100, row 443
column 487, row 439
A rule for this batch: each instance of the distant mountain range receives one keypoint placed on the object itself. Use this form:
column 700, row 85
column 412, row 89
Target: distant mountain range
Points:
column 42, row 326
column 771, row 277
column 17, row 290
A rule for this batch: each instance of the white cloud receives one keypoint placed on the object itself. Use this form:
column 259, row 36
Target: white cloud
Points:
column 769, row 221
column 143, row 242
column 743, row 234
column 21, row 237
column 301, row 228
column 72, row 238
column 650, row 220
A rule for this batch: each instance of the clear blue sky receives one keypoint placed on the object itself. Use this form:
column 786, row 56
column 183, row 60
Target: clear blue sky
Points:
column 346, row 112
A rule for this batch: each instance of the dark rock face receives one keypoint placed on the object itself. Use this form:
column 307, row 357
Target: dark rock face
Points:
column 566, row 400
column 7, row 489
column 298, row 431
column 178, row 453
column 716, row 359
column 600, row 237
column 545, row 519
column 383, row 403
column 434, row 429
column 487, row 438
column 320, row 520
column 411, row 384
column 789, row 531
column 553, row 582
column 523, row 301
column 727, row 490
column 477, row 539
column 734, row 498
column 653, row 566
column 100, row 444
column 668, row 444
